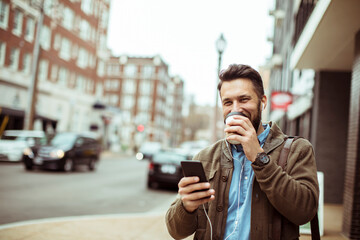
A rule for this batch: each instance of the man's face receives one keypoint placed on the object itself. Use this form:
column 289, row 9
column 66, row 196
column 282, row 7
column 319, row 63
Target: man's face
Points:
column 239, row 96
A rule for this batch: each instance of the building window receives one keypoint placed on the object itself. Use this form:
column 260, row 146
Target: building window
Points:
column 113, row 99
column 112, row 84
column 144, row 103
column 29, row 31
column 43, row 70
column 102, row 42
column 4, row 14
column 17, row 24
column 74, row 51
column 87, row 6
column 2, row 53
column 65, row 49
column 45, row 37
column 63, row 76
column 100, row 68
column 130, row 70
column 90, row 85
column 57, row 42
column 84, row 30
column 14, row 58
column 54, row 72
column 148, row 71
column 129, row 86
column 26, row 63
column 68, row 19
column 145, row 87
column 128, row 101
column 82, row 60
column 80, row 83
column 48, row 6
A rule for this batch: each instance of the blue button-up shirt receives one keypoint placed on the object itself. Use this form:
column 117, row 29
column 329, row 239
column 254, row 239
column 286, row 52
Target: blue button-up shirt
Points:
column 239, row 210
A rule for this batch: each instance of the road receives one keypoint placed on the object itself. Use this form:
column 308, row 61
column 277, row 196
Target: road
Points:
column 117, row 186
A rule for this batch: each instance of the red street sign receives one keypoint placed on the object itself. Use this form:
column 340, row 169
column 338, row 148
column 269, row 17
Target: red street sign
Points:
column 281, row 100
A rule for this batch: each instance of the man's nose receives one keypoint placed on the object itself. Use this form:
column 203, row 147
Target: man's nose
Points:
column 236, row 107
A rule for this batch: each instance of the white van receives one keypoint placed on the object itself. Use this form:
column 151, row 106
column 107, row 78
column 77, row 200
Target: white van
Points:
column 13, row 143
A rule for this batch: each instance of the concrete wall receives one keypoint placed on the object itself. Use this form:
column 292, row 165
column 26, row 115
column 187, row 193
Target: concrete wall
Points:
column 330, row 129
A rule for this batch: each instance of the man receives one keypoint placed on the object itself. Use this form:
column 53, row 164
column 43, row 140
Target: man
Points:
column 246, row 185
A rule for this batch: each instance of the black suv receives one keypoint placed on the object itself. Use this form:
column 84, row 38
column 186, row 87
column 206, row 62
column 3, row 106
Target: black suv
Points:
column 64, row 152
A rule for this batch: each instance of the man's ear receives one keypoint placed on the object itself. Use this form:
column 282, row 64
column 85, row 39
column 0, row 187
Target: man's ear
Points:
column 264, row 102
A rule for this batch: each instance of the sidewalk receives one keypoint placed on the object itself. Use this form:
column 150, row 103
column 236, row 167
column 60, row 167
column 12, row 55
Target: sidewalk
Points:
column 143, row 226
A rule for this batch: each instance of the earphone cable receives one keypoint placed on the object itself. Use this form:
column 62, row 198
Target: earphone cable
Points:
column 207, row 216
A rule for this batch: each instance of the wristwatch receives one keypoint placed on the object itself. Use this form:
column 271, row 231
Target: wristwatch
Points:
column 261, row 159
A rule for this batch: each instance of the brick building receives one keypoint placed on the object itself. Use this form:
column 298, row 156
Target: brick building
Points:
column 316, row 58
column 72, row 39
column 149, row 98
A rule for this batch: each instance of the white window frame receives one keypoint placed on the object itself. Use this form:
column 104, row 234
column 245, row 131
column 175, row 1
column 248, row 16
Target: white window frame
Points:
column 26, row 63
column 131, row 70
column 63, row 76
column 14, row 58
column 128, row 101
column 65, row 49
column 4, row 15
column 17, row 22
column 30, row 29
column 145, row 87
column 68, row 19
column 43, row 69
column 54, row 72
column 83, row 56
column 2, row 53
column 45, row 37
column 129, row 86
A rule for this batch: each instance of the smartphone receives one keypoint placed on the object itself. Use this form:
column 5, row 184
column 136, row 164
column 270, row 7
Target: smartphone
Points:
column 194, row 168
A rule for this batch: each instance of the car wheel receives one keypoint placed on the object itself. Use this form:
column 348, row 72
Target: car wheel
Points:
column 68, row 165
column 92, row 164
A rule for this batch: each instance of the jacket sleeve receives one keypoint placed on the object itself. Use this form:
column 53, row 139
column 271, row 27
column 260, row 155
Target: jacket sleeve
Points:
column 294, row 193
column 179, row 222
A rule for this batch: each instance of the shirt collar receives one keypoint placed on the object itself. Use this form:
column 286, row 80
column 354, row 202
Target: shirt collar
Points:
column 262, row 138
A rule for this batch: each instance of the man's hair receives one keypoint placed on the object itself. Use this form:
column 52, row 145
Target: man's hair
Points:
column 236, row 71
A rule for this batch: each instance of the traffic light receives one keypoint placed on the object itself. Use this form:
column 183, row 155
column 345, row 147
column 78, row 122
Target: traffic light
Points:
column 140, row 128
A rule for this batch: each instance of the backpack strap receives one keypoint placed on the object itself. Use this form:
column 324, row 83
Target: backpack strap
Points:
column 276, row 227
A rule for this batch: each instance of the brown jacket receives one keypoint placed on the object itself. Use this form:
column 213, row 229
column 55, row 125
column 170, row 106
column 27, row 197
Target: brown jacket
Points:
column 294, row 193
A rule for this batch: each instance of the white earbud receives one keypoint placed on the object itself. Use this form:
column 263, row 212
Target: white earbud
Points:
column 263, row 106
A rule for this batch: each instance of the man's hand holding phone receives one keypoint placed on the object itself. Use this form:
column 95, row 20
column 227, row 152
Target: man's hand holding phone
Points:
column 194, row 188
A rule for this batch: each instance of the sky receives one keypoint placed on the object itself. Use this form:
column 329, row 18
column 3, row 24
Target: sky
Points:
column 184, row 33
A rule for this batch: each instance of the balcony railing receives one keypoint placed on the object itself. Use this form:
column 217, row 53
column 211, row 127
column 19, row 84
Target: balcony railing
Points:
column 305, row 9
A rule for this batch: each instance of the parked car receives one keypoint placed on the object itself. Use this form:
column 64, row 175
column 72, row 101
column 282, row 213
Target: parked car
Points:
column 64, row 152
column 165, row 169
column 13, row 143
column 148, row 149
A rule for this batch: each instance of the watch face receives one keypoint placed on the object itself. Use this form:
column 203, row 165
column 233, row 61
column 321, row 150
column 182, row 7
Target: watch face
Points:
column 262, row 159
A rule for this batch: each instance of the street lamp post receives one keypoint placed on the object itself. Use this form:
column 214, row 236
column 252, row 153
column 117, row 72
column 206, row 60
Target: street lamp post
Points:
column 220, row 47
column 30, row 111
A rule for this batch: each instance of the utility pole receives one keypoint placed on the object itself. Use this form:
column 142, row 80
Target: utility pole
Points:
column 30, row 111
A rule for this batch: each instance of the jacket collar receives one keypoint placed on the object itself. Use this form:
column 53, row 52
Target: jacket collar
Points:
column 276, row 138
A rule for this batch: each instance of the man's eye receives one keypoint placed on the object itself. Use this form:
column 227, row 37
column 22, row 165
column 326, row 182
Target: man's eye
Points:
column 244, row 99
column 227, row 103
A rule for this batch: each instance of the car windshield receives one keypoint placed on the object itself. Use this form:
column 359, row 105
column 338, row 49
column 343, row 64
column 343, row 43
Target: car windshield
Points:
column 63, row 139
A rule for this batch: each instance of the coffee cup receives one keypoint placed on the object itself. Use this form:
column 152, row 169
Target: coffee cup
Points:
column 228, row 118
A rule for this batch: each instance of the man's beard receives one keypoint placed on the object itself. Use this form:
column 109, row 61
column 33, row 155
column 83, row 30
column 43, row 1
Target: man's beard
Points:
column 257, row 120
